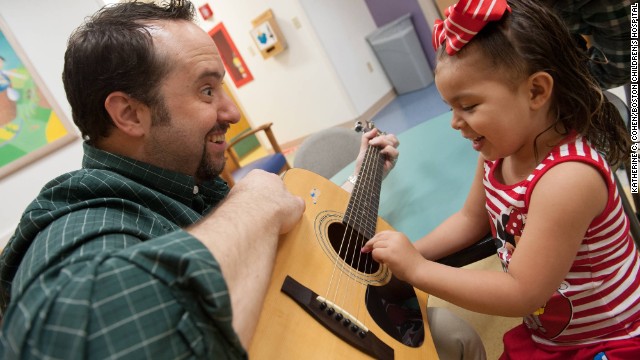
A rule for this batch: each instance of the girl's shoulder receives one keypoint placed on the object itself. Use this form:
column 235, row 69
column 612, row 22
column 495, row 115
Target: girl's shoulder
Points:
column 575, row 147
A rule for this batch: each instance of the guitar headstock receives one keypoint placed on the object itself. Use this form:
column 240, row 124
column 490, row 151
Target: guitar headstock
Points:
column 366, row 126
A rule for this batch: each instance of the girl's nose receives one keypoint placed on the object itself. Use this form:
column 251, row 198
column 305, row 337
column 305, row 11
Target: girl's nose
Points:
column 456, row 121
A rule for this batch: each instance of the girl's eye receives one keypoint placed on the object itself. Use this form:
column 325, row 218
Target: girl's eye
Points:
column 468, row 108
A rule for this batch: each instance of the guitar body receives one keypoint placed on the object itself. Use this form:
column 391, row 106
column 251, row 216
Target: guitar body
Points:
column 306, row 255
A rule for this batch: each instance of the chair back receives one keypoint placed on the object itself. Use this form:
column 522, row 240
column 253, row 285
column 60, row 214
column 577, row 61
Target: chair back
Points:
column 328, row 151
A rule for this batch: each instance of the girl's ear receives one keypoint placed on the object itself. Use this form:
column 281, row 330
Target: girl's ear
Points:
column 128, row 114
column 540, row 89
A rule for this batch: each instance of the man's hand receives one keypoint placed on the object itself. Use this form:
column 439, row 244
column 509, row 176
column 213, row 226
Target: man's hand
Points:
column 266, row 191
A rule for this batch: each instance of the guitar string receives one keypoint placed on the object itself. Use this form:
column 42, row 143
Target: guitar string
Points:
column 375, row 160
column 356, row 253
column 369, row 158
column 338, row 263
column 371, row 202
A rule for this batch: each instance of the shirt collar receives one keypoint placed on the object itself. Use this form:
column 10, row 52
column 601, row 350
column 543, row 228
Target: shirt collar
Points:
column 176, row 185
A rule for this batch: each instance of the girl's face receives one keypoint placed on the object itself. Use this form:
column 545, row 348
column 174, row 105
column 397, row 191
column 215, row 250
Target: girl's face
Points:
column 490, row 111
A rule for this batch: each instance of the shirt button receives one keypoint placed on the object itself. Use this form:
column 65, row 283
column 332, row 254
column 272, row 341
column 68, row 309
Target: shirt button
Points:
column 195, row 189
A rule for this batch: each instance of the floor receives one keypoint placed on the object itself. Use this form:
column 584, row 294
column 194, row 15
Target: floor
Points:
column 410, row 109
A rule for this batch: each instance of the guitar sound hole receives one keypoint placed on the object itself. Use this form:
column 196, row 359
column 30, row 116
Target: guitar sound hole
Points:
column 347, row 243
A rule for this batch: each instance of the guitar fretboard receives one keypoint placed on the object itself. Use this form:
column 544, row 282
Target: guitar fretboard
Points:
column 362, row 210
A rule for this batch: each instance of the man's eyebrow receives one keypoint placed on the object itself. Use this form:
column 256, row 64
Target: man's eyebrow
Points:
column 218, row 75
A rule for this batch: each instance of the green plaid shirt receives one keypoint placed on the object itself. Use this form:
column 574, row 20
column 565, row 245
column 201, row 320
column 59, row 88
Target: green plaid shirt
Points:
column 99, row 267
column 609, row 25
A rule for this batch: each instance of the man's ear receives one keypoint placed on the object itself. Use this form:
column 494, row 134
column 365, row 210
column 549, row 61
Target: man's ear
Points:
column 540, row 89
column 127, row 113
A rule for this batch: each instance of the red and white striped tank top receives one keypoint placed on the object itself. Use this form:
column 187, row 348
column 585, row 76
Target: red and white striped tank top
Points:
column 600, row 296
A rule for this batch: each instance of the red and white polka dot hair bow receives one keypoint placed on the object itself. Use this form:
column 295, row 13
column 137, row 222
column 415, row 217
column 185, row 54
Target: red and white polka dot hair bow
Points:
column 464, row 20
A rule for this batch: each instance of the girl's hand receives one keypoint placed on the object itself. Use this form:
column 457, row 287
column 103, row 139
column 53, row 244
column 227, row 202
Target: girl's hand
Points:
column 396, row 251
column 388, row 143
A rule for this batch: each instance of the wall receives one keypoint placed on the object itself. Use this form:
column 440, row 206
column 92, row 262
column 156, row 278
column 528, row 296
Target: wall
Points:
column 304, row 89
column 342, row 27
column 384, row 11
column 307, row 87
column 431, row 12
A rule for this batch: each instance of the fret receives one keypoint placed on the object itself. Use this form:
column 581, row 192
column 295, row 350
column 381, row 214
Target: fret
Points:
column 362, row 209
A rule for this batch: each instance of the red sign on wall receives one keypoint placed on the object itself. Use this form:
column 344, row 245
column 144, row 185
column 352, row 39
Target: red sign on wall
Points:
column 205, row 11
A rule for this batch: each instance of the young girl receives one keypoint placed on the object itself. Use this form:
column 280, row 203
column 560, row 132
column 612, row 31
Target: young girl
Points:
column 521, row 93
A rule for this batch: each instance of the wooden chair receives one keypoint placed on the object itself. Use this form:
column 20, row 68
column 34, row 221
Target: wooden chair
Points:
column 274, row 162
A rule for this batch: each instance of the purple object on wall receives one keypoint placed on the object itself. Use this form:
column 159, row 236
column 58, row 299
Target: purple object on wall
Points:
column 385, row 11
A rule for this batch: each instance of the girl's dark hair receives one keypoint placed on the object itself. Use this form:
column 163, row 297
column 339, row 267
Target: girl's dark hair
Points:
column 113, row 51
column 531, row 39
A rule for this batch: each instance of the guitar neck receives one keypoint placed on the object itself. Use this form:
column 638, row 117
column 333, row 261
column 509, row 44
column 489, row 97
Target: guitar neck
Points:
column 362, row 210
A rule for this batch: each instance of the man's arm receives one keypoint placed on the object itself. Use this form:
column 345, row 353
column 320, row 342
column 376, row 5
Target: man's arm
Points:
column 243, row 233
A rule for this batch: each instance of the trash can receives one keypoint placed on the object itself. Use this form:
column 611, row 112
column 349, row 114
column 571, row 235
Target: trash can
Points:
column 397, row 48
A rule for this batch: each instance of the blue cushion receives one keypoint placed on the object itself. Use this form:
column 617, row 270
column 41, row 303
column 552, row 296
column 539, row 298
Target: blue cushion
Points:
column 271, row 163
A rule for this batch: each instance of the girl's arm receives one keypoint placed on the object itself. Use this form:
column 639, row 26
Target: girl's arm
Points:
column 461, row 229
column 565, row 201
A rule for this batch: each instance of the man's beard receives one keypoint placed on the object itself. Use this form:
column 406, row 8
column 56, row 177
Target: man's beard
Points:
column 207, row 169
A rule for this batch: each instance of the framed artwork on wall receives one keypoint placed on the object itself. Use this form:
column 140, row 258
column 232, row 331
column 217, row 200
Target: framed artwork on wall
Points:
column 31, row 125
column 233, row 62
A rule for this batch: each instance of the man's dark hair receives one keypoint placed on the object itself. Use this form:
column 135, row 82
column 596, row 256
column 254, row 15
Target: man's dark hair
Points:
column 111, row 51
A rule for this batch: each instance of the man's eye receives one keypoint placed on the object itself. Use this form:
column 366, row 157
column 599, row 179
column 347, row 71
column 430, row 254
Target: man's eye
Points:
column 208, row 91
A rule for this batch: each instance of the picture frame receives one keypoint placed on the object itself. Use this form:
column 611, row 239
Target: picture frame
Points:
column 32, row 125
column 233, row 62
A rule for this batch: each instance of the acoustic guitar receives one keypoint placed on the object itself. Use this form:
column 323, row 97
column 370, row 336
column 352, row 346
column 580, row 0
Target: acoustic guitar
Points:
column 328, row 300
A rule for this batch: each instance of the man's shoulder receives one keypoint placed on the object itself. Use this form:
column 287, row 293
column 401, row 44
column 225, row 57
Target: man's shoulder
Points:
column 84, row 184
column 84, row 177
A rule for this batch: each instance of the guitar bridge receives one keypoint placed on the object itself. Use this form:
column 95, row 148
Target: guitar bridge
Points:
column 338, row 321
